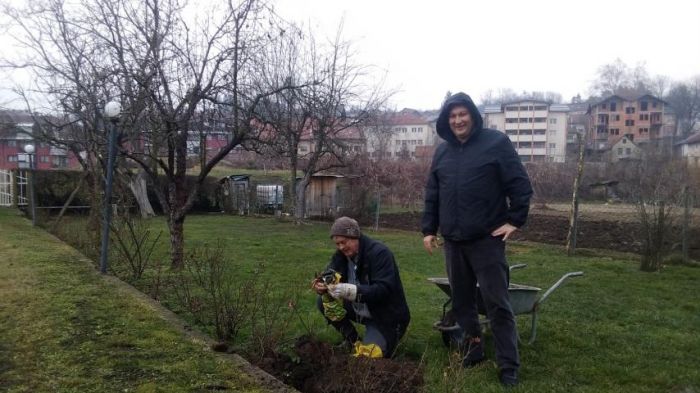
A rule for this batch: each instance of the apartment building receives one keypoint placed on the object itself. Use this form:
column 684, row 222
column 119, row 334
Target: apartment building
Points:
column 537, row 129
column 642, row 120
column 399, row 135
column 16, row 131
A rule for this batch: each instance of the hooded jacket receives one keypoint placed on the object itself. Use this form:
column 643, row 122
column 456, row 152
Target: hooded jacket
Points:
column 476, row 186
column 379, row 283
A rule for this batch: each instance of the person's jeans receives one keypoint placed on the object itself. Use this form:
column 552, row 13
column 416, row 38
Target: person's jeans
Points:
column 385, row 337
column 483, row 261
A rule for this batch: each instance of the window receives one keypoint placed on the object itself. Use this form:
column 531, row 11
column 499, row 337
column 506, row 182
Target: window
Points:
column 616, row 118
column 12, row 158
column 511, row 108
column 511, row 120
column 643, row 130
column 629, row 122
column 624, row 140
column 628, row 151
column 303, row 148
column 541, row 119
column 629, row 110
column 524, row 144
column 644, row 106
column 552, row 121
column 619, row 151
column 552, row 133
column 12, row 143
column 653, row 104
column 541, row 107
column 539, row 132
column 604, row 106
column 613, row 106
column 512, row 132
column 614, row 131
column 44, row 159
column 552, row 145
column 644, row 116
column 538, row 145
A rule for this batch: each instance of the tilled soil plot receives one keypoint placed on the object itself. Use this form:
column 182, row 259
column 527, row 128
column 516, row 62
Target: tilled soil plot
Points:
column 319, row 368
column 602, row 231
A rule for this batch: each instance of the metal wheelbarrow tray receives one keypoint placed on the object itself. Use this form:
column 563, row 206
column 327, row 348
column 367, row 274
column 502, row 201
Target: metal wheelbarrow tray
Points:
column 523, row 300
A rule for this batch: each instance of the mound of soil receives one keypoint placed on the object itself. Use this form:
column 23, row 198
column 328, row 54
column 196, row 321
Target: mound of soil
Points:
column 319, row 368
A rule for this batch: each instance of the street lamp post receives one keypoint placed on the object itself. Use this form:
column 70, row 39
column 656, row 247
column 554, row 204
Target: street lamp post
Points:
column 29, row 149
column 111, row 112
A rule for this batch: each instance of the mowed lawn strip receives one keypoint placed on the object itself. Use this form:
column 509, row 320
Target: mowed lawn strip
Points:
column 65, row 329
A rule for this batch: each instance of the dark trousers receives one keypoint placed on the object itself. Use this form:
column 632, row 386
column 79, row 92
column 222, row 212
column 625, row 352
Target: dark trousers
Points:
column 483, row 261
column 386, row 337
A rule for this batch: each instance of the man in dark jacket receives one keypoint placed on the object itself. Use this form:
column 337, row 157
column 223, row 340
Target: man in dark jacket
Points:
column 477, row 194
column 370, row 290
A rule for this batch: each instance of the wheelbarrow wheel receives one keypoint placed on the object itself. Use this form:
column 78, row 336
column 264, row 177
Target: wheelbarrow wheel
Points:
column 451, row 332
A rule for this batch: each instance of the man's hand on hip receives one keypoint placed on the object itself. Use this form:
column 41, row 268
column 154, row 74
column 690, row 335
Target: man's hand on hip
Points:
column 504, row 230
column 430, row 242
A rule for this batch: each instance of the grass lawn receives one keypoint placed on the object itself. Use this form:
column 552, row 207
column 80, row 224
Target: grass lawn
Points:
column 615, row 329
column 63, row 328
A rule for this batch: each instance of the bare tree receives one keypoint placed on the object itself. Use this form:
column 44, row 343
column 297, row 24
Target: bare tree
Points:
column 684, row 98
column 317, row 124
column 378, row 130
column 169, row 64
column 658, row 192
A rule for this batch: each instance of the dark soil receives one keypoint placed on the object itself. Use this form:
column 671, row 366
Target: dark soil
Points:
column 598, row 232
column 317, row 367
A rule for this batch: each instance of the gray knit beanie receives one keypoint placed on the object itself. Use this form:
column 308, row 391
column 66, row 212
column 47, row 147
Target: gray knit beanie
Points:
column 345, row 226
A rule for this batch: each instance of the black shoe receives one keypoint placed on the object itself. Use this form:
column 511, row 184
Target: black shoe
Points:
column 508, row 377
column 473, row 350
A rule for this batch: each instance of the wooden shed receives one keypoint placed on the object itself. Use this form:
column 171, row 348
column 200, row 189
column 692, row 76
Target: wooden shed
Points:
column 235, row 194
column 321, row 195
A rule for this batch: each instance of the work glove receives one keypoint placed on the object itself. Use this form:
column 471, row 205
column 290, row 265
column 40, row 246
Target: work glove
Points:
column 343, row 291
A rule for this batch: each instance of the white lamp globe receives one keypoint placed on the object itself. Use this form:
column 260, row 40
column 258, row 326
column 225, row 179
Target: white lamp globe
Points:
column 29, row 149
column 113, row 109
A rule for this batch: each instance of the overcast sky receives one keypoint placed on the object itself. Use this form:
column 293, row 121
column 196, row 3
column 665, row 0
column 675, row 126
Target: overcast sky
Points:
column 429, row 47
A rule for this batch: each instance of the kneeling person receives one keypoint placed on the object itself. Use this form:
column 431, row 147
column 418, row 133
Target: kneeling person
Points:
column 369, row 292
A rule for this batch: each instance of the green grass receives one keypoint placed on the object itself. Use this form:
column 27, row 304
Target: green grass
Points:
column 65, row 329
column 258, row 175
column 615, row 329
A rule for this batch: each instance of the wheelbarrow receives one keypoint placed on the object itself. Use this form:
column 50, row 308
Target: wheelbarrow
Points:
column 523, row 300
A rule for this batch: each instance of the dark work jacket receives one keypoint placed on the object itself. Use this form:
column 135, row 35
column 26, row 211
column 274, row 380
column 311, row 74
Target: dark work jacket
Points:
column 379, row 282
column 476, row 186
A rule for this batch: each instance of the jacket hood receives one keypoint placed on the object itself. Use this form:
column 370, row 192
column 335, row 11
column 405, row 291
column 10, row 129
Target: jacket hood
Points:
column 443, row 125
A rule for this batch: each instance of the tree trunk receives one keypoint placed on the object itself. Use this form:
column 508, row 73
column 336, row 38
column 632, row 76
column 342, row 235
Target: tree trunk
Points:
column 300, row 202
column 686, row 224
column 137, row 184
column 177, row 240
column 573, row 215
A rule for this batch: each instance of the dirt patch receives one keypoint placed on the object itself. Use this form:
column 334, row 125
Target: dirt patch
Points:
column 317, row 367
column 597, row 229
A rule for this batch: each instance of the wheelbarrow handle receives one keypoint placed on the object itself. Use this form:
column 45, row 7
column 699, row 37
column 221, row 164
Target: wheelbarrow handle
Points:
column 557, row 285
column 517, row 266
